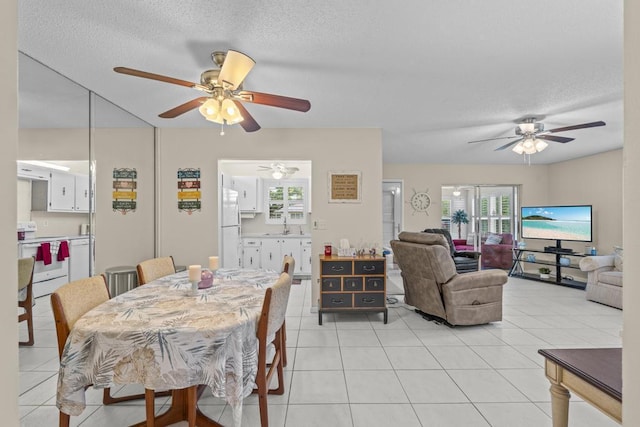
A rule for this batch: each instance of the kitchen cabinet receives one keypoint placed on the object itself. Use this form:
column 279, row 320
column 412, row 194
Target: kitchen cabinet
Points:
column 249, row 191
column 273, row 250
column 27, row 171
column 251, row 253
column 62, row 192
column 306, row 258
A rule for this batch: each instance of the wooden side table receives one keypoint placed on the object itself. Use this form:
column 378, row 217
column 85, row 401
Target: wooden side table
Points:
column 595, row 374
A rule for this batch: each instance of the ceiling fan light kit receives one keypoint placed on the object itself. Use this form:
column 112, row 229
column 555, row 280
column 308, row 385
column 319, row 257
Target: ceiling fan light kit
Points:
column 532, row 138
column 224, row 87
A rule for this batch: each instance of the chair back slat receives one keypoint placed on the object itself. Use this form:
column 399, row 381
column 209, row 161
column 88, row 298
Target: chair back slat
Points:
column 71, row 301
column 155, row 268
column 25, row 272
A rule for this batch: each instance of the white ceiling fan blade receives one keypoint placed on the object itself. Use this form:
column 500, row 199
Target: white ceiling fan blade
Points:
column 235, row 68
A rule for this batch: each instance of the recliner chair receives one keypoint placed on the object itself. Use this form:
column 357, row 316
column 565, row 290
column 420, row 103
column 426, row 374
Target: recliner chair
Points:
column 437, row 291
column 464, row 261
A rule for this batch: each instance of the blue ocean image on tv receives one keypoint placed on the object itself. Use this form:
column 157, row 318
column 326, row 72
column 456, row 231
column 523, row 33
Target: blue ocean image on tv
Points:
column 557, row 222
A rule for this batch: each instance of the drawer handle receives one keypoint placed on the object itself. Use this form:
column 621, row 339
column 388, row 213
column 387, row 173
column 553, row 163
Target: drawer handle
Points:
column 369, row 267
column 334, row 268
column 368, row 300
column 337, row 301
column 375, row 283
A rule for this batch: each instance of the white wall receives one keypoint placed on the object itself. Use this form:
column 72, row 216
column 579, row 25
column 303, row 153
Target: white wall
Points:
column 631, row 207
column 192, row 238
column 124, row 239
column 419, row 177
column 595, row 180
column 8, row 264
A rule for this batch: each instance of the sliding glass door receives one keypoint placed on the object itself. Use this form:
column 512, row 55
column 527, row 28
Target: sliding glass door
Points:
column 472, row 211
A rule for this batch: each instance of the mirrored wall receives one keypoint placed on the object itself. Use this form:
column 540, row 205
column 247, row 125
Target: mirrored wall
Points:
column 83, row 141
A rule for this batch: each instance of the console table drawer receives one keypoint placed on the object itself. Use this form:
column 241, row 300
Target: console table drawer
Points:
column 337, row 300
column 336, row 268
column 369, row 299
column 373, row 283
column 352, row 284
column 331, row 284
column 369, row 267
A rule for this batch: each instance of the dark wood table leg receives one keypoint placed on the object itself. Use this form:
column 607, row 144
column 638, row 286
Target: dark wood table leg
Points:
column 179, row 411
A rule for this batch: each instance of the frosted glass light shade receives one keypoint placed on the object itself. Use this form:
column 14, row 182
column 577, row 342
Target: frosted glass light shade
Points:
column 230, row 112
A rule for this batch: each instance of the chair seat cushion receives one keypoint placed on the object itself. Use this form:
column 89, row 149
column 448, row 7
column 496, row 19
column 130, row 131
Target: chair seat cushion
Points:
column 611, row 277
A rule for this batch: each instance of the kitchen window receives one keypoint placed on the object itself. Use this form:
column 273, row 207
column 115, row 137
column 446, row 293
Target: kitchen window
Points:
column 286, row 199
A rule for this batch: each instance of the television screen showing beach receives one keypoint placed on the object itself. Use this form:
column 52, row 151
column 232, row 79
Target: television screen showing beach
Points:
column 557, row 223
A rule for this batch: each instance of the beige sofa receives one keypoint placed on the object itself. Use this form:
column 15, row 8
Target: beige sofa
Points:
column 436, row 290
column 604, row 279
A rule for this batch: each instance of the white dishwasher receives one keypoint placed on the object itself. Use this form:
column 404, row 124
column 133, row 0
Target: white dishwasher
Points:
column 79, row 255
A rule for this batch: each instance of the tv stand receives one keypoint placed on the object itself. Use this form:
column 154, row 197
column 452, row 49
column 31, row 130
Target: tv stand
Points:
column 520, row 258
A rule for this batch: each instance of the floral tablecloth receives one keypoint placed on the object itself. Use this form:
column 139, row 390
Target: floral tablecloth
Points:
column 164, row 336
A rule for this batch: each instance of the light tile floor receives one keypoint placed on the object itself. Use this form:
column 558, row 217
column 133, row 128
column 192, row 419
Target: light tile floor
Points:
column 355, row 371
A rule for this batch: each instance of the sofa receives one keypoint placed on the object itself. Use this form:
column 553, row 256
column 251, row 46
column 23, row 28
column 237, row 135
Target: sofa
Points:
column 462, row 245
column 497, row 251
column 437, row 291
column 604, row 278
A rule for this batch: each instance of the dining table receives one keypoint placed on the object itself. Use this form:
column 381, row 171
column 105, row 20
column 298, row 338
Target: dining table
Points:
column 165, row 335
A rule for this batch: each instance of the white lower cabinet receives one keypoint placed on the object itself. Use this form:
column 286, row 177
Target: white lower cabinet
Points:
column 270, row 252
column 251, row 249
column 305, row 257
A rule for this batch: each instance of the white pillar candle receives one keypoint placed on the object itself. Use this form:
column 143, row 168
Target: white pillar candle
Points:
column 213, row 262
column 195, row 272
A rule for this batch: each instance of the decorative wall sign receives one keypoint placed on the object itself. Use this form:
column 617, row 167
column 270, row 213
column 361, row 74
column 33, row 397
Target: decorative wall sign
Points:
column 345, row 187
column 124, row 190
column 189, row 193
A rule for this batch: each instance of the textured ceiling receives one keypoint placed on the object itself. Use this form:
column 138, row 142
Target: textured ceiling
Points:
column 431, row 74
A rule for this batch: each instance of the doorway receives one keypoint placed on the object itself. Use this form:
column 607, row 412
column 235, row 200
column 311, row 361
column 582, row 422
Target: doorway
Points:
column 391, row 210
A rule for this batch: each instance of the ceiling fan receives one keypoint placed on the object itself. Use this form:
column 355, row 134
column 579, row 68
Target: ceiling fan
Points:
column 531, row 136
column 279, row 170
column 224, row 93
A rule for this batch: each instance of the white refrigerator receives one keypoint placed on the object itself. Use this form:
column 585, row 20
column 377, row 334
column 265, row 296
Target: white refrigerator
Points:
column 230, row 229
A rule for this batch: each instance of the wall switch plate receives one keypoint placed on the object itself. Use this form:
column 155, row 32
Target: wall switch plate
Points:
column 320, row 224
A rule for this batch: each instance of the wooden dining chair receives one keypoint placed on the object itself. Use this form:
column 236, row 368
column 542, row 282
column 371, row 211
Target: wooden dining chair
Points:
column 155, row 268
column 274, row 309
column 25, row 285
column 70, row 302
column 288, row 266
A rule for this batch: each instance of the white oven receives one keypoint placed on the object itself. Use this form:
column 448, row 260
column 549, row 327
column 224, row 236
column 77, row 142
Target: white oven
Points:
column 46, row 278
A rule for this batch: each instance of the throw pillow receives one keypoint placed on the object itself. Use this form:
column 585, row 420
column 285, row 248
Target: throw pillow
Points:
column 617, row 258
column 470, row 239
column 493, row 239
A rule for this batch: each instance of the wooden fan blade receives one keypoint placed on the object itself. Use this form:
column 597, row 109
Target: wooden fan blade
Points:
column 181, row 109
column 582, row 126
column 493, row 139
column 275, row 100
column 234, row 69
column 248, row 123
column 555, row 138
column 505, row 146
column 152, row 76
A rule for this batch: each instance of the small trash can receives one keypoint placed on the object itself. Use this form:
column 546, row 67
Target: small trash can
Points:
column 121, row 279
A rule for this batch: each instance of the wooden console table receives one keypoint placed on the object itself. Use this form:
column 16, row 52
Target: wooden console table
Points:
column 595, row 374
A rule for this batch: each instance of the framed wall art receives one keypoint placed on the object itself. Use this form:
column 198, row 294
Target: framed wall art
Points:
column 345, row 187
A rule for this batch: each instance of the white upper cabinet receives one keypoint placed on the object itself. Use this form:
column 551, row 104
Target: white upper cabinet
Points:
column 249, row 194
column 63, row 192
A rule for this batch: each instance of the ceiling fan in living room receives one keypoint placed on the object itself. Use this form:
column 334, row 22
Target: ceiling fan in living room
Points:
column 531, row 137
column 224, row 93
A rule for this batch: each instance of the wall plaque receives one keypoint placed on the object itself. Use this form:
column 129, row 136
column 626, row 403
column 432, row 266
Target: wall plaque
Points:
column 345, row 187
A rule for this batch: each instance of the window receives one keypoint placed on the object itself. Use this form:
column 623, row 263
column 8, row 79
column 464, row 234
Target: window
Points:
column 286, row 199
column 445, row 221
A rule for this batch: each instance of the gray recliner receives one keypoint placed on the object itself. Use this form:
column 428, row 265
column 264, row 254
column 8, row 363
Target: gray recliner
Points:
column 435, row 289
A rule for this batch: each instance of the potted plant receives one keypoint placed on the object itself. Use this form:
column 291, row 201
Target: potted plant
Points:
column 459, row 217
column 544, row 272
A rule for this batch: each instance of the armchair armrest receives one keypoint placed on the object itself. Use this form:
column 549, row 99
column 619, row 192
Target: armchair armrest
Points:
column 476, row 279
column 596, row 262
column 467, row 254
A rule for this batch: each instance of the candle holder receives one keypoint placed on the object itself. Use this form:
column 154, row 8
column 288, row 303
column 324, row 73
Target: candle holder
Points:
column 194, row 287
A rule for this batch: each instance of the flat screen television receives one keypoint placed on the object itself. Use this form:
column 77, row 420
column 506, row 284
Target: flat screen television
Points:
column 570, row 223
